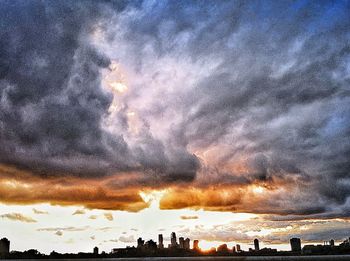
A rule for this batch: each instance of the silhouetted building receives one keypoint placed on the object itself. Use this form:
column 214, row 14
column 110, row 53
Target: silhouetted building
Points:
column 331, row 242
column 195, row 244
column 187, row 243
column 4, row 246
column 256, row 244
column 150, row 245
column 295, row 244
column 238, row 248
column 317, row 249
column 222, row 249
column 95, row 251
column 160, row 241
column 267, row 251
column 173, row 242
column 234, row 249
column 181, row 242
column 140, row 242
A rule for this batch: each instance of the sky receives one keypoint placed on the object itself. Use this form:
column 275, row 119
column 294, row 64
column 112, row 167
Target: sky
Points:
column 219, row 120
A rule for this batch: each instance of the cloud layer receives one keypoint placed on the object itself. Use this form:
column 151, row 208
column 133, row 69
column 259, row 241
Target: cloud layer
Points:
column 232, row 106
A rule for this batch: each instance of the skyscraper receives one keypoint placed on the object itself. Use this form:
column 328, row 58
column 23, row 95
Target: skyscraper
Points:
column 140, row 242
column 256, row 244
column 295, row 244
column 181, row 242
column 160, row 241
column 4, row 246
column 173, row 242
column 196, row 244
column 238, row 248
column 95, row 250
column 187, row 243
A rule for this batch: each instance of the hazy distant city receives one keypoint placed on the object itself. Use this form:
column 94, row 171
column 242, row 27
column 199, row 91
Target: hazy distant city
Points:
column 181, row 247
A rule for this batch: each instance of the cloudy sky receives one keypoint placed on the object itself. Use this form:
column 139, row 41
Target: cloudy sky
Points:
column 219, row 120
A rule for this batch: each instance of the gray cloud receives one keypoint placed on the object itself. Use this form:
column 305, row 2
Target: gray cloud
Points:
column 51, row 100
column 272, row 87
column 127, row 239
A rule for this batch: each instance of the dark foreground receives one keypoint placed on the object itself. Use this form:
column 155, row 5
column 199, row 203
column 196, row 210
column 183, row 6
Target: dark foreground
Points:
column 245, row 258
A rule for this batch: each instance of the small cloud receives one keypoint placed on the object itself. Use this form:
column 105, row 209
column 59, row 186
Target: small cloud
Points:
column 18, row 217
column 93, row 217
column 59, row 233
column 134, row 229
column 79, row 212
column 40, row 212
column 188, row 217
column 92, row 237
column 124, row 233
column 108, row 216
column 69, row 229
column 112, row 240
column 125, row 239
column 104, row 228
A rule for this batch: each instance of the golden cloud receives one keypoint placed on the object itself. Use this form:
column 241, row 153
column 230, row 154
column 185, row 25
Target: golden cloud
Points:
column 18, row 217
column 20, row 187
column 188, row 217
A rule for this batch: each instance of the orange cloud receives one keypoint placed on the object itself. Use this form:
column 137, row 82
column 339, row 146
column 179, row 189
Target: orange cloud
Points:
column 108, row 216
column 19, row 187
column 188, row 217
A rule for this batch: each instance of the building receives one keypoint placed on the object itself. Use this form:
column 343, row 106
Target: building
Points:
column 234, row 249
column 150, row 245
column 95, row 251
column 140, row 242
column 160, row 241
column 295, row 244
column 173, row 242
column 4, row 246
column 331, row 242
column 195, row 244
column 256, row 244
column 181, row 242
column 238, row 248
column 223, row 249
column 187, row 244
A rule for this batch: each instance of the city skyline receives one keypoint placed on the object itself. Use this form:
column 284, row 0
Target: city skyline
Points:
column 182, row 247
column 224, row 121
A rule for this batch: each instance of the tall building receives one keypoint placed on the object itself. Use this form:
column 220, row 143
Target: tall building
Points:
column 181, row 242
column 331, row 242
column 140, row 242
column 238, row 248
column 295, row 244
column 256, row 244
column 187, row 243
column 4, row 246
column 173, row 242
column 195, row 244
column 160, row 241
column 95, row 250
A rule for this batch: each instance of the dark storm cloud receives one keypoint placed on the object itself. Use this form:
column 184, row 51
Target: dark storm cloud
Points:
column 275, row 89
column 51, row 101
